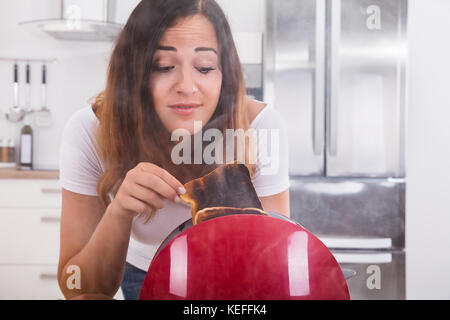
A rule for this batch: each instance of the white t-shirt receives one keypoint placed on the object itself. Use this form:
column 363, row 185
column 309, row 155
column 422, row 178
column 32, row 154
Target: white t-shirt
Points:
column 81, row 169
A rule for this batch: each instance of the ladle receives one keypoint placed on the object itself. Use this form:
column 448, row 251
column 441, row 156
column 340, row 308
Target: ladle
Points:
column 15, row 113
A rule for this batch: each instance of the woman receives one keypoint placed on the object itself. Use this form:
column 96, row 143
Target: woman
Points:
column 174, row 63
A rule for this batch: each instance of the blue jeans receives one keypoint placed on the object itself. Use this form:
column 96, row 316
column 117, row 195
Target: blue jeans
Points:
column 132, row 282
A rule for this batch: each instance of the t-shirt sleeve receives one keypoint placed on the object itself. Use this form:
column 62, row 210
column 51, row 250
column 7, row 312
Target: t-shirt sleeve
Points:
column 272, row 168
column 78, row 161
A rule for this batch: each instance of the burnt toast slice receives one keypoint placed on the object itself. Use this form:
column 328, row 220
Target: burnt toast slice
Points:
column 226, row 190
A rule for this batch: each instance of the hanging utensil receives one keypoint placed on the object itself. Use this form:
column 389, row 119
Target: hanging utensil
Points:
column 15, row 113
column 43, row 115
column 28, row 108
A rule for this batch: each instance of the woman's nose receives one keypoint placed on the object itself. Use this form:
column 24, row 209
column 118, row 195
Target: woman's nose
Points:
column 186, row 83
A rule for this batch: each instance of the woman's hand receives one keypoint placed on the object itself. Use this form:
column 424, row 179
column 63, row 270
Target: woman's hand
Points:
column 145, row 190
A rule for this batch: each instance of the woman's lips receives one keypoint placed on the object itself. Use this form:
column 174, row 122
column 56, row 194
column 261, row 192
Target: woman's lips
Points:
column 185, row 109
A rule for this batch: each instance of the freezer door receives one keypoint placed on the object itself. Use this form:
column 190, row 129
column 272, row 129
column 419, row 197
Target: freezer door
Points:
column 365, row 111
column 370, row 211
column 295, row 78
column 380, row 275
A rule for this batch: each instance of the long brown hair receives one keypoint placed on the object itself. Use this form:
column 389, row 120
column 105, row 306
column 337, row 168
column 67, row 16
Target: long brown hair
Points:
column 129, row 130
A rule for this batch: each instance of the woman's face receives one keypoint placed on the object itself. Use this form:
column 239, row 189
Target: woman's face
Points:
column 186, row 77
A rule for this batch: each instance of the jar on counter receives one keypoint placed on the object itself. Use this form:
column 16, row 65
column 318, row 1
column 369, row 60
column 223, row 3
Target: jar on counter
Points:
column 11, row 151
column 3, row 150
column 7, row 153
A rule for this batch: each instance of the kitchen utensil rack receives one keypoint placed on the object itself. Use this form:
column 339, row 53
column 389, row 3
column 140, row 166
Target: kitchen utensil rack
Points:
column 26, row 60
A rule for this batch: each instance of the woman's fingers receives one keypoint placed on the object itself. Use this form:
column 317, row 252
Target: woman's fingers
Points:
column 176, row 185
column 156, row 184
column 137, row 206
column 145, row 190
column 151, row 197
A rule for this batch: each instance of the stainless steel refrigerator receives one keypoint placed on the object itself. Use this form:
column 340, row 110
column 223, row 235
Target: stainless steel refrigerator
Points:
column 335, row 69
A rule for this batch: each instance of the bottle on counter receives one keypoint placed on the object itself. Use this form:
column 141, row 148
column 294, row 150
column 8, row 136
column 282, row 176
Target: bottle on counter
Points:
column 26, row 146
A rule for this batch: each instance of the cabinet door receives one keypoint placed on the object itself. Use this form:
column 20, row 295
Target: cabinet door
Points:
column 29, row 236
column 32, row 283
column 29, row 283
column 30, row 193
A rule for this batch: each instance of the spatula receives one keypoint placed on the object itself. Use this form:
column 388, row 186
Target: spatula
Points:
column 44, row 115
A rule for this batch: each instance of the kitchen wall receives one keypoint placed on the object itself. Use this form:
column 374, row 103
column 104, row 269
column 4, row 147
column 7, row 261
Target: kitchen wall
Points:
column 428, row 156
column 77, row 75
column 80, row 70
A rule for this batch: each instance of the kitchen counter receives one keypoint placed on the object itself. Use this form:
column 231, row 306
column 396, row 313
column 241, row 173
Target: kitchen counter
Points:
column 14, row 173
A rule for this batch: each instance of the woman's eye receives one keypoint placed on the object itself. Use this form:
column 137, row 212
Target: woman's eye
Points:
column 163, row 68
column 205, row 70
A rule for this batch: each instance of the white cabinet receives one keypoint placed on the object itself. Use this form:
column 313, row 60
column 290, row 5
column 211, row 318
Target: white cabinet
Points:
column 21, row 193
column 29, row 282
column 29, row 236
column 30, row 212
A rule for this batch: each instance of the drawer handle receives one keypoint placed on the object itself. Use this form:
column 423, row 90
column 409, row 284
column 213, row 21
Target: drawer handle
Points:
column 50, row 219
column 48, row 276
column 50, row 190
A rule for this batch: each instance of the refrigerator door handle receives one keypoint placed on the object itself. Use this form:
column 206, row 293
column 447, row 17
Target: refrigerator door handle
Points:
column 356, row 243
column 333, row 75
column 319, row 80
column 363, row 258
